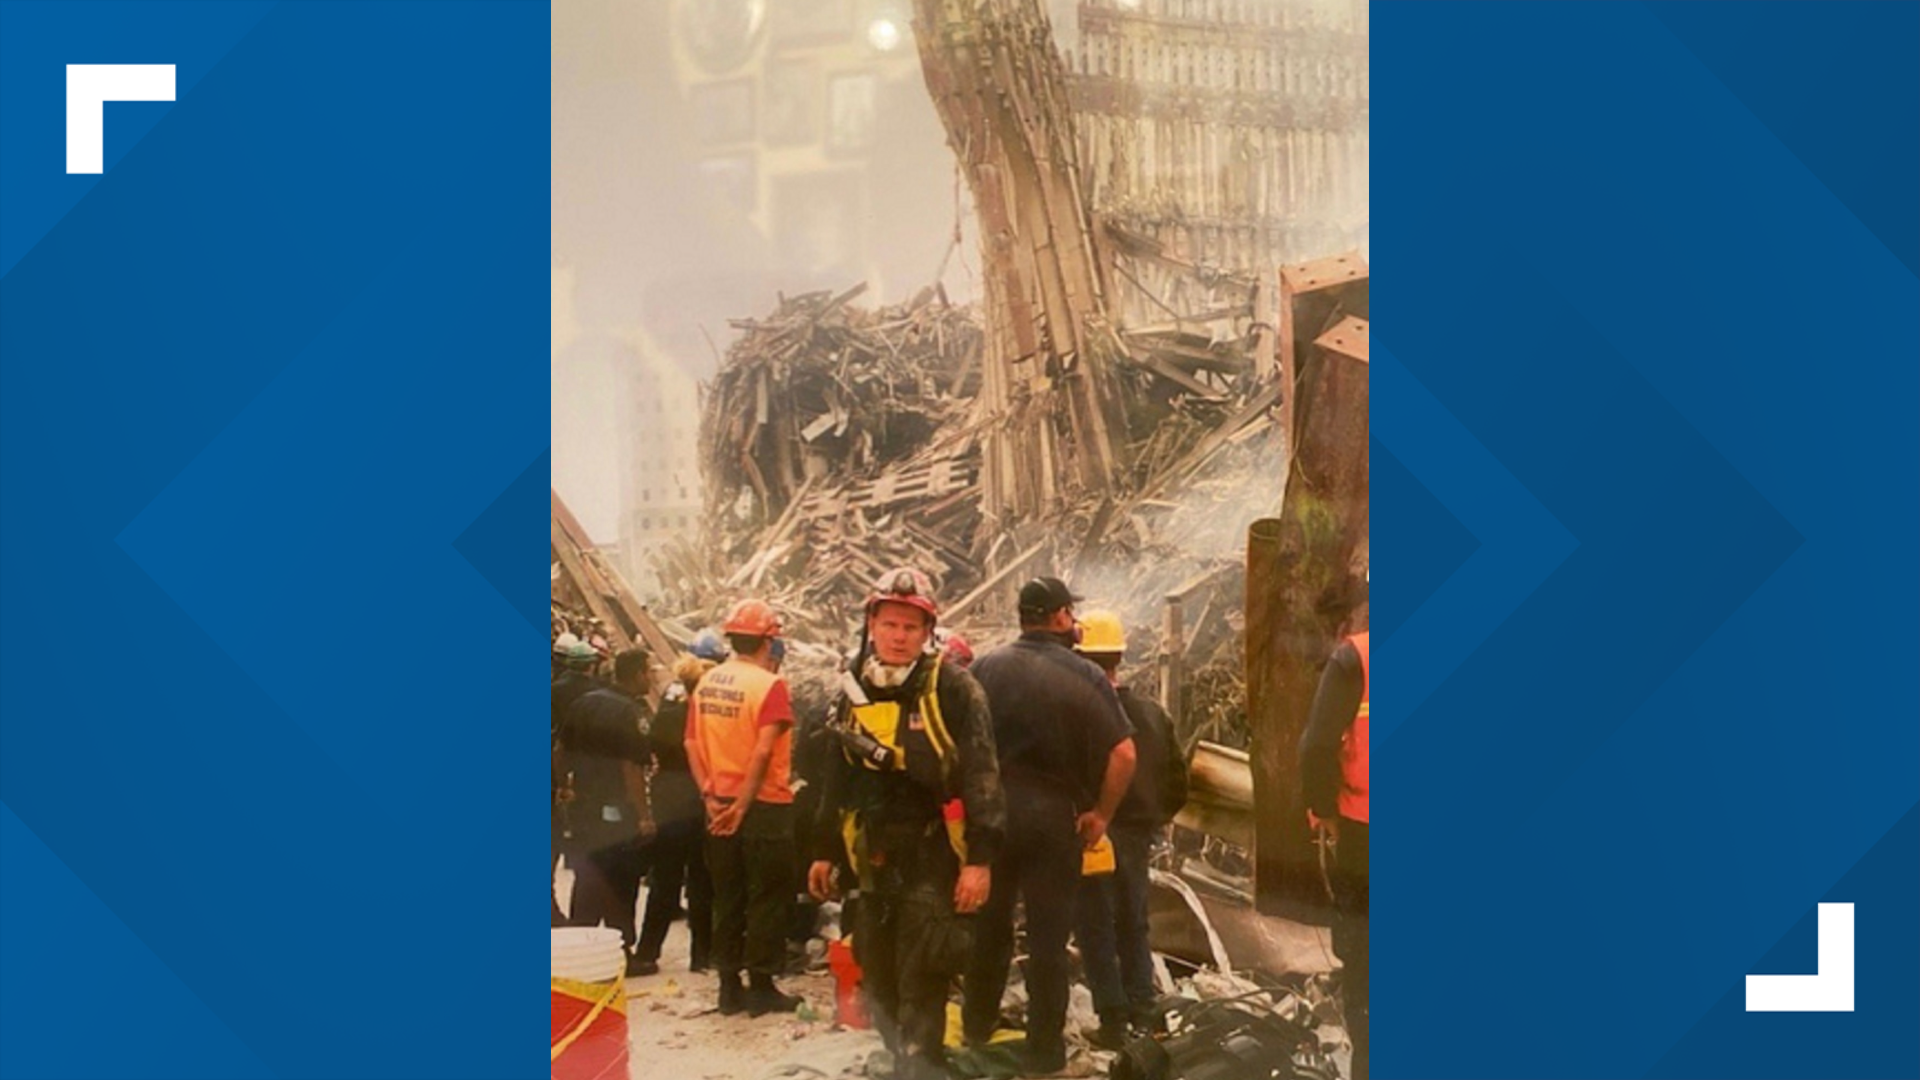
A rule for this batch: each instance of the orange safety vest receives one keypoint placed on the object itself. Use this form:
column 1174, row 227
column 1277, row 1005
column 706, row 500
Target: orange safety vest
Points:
column 1353, row 748
column 725, row 714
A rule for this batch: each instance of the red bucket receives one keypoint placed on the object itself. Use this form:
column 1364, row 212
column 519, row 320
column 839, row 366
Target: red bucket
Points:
column 589, row 1035
column 849, row 1008
column 589, row 1005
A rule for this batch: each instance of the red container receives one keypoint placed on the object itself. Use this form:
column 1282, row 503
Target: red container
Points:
column 849, row 1007
column 589, row 1030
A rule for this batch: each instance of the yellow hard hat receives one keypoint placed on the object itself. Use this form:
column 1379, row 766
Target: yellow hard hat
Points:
column 1101, row 632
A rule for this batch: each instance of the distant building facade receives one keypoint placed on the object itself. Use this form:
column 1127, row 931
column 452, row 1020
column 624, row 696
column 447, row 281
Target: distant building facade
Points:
column 659, row 463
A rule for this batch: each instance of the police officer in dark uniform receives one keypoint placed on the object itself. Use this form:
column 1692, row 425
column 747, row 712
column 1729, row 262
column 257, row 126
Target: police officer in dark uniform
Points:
column 679, row 855
column 911, row 809
column 605, row 735
column 1066, row 759
column 573, row 662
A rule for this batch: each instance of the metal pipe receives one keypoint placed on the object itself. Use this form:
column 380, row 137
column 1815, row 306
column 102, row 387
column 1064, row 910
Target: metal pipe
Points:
column 1275, row 768
column 1172, row 662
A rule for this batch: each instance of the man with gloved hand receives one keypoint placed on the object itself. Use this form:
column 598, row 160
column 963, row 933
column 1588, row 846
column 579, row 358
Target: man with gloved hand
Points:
column 911, row 808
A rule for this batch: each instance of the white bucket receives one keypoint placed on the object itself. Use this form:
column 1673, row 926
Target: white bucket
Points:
column 589, row 954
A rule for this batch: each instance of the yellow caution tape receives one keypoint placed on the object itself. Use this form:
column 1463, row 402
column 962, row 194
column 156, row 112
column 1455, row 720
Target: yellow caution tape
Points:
column 573, row 989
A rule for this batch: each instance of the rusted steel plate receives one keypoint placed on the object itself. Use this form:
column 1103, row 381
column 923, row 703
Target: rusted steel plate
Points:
column 1323, row 273
column 1348, row 338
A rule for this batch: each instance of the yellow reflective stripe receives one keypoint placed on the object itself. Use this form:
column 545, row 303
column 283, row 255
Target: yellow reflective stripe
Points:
column 937, row 732
column 850, row 836
column 943, row 745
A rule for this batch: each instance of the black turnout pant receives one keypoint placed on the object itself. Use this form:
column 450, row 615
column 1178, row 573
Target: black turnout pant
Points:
column 902, row 941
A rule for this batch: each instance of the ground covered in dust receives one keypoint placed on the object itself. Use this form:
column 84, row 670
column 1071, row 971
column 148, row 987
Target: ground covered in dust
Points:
column 677, row 1033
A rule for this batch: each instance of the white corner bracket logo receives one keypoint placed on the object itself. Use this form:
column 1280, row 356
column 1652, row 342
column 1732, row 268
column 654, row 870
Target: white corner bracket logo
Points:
column 89, row 88
column 1830, row 990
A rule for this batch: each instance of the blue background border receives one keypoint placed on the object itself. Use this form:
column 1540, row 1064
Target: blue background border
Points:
column 1646, row 397
column 1645, row 426
column 269, row 755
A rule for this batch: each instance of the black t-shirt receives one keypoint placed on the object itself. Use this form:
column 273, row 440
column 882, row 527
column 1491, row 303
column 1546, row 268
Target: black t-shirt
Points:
column 1055, row 717
column 1159, row 786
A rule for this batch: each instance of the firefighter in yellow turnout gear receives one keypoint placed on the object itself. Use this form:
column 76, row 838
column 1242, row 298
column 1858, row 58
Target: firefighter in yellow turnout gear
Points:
column 912, row 814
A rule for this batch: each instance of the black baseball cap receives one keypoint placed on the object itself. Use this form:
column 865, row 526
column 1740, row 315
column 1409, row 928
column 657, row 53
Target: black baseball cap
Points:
column 1046, row 595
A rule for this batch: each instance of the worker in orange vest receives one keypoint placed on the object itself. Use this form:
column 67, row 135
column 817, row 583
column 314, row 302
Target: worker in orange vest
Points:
column 1333, row 771
column 740, row 748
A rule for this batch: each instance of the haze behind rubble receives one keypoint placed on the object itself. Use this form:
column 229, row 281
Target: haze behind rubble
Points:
column 643, row 249
column 647, row 255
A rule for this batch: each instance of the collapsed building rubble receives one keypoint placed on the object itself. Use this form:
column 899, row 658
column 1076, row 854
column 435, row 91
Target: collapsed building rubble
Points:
column 1167, row 550
column 838, row 442
column 823, row 387
column 1110, row 413
column 1170, row 548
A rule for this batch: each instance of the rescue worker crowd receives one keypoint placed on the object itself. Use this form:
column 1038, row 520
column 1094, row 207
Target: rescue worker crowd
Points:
column 934, row 795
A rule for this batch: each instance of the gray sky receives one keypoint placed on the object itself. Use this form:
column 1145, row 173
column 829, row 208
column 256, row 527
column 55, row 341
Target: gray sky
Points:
column 641, row 240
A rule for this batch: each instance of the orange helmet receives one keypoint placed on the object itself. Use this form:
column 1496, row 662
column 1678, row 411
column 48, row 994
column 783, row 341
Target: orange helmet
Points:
column 755, row 617
column 904, row 586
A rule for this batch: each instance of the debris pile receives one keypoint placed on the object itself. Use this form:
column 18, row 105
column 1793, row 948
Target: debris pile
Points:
column 838, row 442
column 834, row 445
column 823, row 388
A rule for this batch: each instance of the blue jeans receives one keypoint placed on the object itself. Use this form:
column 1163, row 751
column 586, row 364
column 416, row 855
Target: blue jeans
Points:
column 1112, row 929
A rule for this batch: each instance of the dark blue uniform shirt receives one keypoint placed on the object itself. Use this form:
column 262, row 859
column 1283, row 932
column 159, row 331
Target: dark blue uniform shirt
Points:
column 1055, row 717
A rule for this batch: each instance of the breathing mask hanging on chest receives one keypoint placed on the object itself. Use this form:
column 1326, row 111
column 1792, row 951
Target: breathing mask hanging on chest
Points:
column 886, row 676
